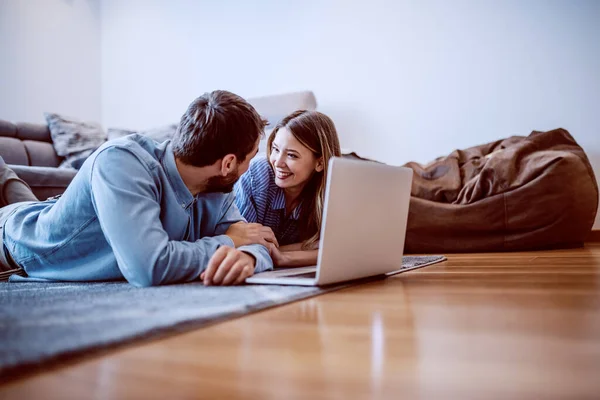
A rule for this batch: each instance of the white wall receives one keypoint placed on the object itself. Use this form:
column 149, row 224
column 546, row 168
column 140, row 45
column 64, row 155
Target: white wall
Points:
column 403, row 80
column 49, row 59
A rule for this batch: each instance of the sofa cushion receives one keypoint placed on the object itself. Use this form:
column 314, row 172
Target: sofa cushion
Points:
column 71, row 136
column 41, row 154
column 45, row 182
column 37, row 132
column 275, row 108
column 27, row 144
column 13, row 151
column 8, row 129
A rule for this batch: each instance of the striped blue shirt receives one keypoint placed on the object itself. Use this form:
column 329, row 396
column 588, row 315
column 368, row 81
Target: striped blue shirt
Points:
column 260, row 200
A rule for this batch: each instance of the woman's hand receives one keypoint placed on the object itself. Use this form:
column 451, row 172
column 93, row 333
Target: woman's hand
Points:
column 279, row 258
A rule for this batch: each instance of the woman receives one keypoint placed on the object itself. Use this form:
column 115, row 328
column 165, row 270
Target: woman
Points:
column 286, row 190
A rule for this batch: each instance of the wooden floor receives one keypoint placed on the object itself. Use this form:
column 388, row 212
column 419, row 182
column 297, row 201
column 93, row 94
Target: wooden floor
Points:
column 506, row 326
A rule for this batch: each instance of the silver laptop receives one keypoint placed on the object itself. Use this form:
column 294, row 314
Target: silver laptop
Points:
column 363, row 229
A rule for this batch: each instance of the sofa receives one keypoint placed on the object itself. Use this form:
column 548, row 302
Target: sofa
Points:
column 29, row 150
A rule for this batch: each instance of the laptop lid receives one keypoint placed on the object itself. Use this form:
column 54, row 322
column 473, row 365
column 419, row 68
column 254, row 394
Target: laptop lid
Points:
column 364, row 220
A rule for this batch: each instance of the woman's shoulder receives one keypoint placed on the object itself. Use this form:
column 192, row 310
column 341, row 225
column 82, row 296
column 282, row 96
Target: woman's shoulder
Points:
column 260, row 170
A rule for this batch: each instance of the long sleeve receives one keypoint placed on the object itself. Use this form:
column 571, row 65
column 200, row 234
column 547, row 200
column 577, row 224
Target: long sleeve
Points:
column 260, row 252
column 126, row 200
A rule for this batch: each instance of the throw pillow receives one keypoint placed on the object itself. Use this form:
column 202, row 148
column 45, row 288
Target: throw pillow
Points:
column 76, row 160
column 70, row 136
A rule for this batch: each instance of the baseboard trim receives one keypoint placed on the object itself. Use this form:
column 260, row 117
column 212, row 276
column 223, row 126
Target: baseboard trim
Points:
column 594, row 236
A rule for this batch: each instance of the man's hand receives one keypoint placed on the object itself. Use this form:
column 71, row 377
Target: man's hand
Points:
column 243, row 234
column 228, row 266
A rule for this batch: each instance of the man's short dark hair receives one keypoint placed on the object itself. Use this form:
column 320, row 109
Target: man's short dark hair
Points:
column 216, row 124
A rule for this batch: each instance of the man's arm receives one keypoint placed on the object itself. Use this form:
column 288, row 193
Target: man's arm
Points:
column 259, row 252
column 126, row 200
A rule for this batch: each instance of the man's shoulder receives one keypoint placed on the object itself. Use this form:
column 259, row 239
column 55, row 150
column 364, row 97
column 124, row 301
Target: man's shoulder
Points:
column 131, row 147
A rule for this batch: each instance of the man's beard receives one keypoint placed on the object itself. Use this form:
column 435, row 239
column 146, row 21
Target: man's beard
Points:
column 222, row 184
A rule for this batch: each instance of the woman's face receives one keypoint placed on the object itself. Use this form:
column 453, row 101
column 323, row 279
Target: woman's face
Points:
column 292, row 162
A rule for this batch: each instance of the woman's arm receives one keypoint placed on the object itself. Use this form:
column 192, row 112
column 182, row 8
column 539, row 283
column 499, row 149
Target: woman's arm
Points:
column 295, row 258
column 297, row 247
column 291, row 247
column 292, row 255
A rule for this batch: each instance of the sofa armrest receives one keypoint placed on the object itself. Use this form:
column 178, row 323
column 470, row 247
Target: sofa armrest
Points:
column 45, row 181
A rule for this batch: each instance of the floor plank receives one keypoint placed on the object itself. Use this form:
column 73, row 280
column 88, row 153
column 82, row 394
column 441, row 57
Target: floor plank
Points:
column 516, row 325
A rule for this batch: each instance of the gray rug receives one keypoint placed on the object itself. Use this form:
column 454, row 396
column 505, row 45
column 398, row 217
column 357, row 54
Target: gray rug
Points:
column 42, row 323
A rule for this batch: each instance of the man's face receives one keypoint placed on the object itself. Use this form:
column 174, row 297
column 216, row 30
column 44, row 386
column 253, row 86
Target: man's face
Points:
column 243, row 166
column 224, row 184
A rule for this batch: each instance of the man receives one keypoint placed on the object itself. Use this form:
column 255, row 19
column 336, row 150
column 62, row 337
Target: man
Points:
column 146, row 212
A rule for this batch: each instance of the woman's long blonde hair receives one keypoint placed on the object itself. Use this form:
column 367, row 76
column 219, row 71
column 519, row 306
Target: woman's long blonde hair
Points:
column 317, row 132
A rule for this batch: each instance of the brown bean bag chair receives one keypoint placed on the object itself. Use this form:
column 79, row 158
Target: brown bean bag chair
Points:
column 521, row 193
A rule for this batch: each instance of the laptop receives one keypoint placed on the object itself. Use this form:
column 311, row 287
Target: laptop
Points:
column 364, row 226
